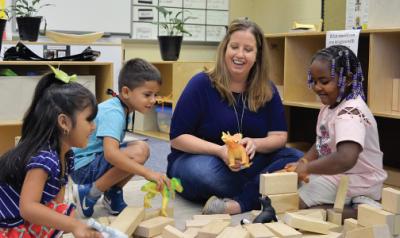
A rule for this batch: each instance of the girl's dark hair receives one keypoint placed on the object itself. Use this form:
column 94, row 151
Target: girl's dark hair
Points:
column 136, row 72
column 345, row 64
column 40, row 126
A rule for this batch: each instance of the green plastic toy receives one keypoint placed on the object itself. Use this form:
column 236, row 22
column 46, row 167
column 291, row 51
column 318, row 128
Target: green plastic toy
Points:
column 151, row 189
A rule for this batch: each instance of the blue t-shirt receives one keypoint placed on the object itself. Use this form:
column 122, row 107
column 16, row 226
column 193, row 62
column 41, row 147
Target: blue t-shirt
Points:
column 110, row 121
column 48, row 160
column 202, row 112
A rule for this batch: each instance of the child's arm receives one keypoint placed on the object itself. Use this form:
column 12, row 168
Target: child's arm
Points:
column 33, row 211
column 335, row 163
column 114, row 155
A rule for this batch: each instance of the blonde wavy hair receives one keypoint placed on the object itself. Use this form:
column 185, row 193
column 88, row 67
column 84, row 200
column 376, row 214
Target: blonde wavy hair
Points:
column 258, row 89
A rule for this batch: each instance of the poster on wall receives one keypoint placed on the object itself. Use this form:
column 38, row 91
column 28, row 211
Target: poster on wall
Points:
column 201, row 4
column 356, row 14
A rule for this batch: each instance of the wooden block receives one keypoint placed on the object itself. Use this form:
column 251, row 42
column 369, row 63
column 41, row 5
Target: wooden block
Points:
column 283, row 230
column 151, row 213
column 103, row 221
column 197, row 223
column 319, row 214
column 350, row 224
column 368, row 216
column 258, row 230
column 285, row 202
column 225, row 217
column 172, row 232
column 213, row 229
column 374, row 231
column 396, row 225
column 330, row 235
column 128, row 220
column 334, row 217
column 277, row 183
column 308, row 224
column 396, row 95
column 391, row 200
column 237, row 232
column 153, row 226
column 341, row 194
column 191, row 232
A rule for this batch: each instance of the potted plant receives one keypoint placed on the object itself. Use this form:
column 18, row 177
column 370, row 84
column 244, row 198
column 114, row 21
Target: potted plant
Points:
column 173, row 24
column 28, row 22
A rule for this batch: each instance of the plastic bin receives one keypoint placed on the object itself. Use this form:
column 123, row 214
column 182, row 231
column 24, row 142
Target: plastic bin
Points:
column 164, row 115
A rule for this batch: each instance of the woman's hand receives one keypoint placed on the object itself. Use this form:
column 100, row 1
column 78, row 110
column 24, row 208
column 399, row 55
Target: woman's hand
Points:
column 159, row 178
column 250, row 146
column 84, row 231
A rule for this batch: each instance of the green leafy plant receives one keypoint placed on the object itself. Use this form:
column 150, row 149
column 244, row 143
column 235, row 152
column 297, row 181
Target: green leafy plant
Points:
column 27, row 8
column 173, row 24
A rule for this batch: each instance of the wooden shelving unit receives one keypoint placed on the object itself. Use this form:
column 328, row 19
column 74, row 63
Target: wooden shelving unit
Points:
column 175, row 76
column 289, row 58
column 103, row 72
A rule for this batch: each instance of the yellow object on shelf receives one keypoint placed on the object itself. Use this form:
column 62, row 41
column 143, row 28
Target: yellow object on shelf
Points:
column 74, row 38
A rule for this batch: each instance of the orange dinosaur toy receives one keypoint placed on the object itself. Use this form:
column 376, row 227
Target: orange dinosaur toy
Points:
column 235, row 150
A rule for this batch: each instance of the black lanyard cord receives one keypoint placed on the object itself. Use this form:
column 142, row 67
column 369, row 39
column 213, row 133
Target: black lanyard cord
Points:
column 114, row 94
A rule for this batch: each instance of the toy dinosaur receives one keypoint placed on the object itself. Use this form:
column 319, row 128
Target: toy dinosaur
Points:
column 151, row 189
column 235, row 150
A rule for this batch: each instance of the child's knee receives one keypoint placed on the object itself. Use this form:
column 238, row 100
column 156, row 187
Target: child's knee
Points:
column 139, row 150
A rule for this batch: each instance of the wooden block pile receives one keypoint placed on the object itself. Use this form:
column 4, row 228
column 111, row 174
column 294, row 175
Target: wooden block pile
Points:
column 281, row 188
column 374, row 222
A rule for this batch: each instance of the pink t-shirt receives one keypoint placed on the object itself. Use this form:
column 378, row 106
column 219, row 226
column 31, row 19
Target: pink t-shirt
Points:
column 352, row 120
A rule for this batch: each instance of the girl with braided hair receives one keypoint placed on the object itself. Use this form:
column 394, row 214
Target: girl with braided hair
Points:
column 347, row 141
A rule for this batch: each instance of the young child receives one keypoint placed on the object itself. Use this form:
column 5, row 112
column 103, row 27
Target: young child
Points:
column 105, row 166
column 33, row 174
column 347, row 139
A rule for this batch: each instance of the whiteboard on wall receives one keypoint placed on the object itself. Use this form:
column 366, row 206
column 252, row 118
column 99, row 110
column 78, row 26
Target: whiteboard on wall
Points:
column 88, row 15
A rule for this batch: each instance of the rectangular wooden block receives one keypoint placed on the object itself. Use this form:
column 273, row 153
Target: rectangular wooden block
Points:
column 213, row 229
column 350, row 224
column 153, row 226
column 396, row 95
column 374, row 231
column 334, row 217
column 396, row 225
column 197, row 223
column 341, row 194
column 237, row 232
column 283, row 230
column 103, row 221
column 128, row 220
column 332, row 234
column 308, row 224
column 258, row 230
column 191, row 232
column 277, row 183
column 368, row 216
column 172, row 232
column 391, row 200
column 319, row 214
column 285, row 202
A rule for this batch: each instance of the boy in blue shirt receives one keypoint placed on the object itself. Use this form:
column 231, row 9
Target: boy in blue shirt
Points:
column 105, row 165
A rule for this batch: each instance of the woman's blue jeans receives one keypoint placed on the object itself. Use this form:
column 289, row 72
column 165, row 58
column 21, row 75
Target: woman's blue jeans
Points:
column 203, row 176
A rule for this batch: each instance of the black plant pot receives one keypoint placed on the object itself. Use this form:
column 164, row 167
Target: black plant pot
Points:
column 2, row 26
column 28, row 28
column 170, row 47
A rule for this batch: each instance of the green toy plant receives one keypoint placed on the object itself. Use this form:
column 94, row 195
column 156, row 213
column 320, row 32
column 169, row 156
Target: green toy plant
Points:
column 166, row 193
column 173, row 24
column 27, row 8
